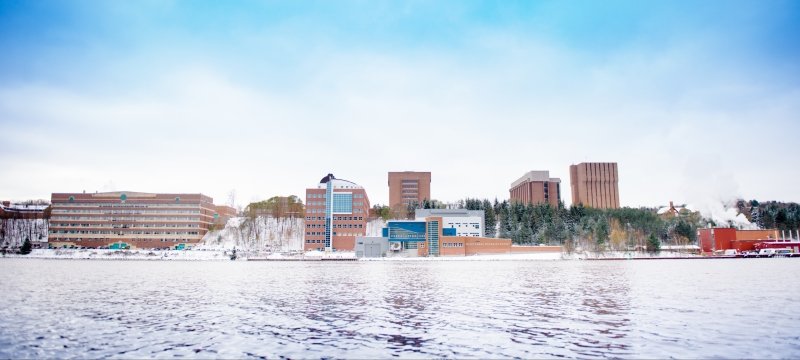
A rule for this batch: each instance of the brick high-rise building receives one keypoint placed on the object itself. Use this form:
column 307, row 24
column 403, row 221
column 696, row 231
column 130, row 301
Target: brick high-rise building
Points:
column 595, row 185
column 536, row 187
column 406, row 187
column 126, row 219
column 336, row 212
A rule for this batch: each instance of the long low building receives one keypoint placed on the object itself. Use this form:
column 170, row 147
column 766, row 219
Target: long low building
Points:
column 128, row 220
column 718, row 239
column 432, row 236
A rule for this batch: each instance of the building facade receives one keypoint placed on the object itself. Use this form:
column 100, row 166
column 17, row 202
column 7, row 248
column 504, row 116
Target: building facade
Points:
column 223, row 213
column 336, row 213
column 408, row 187
column 463, row 222
column 431, row 236
column 536, row 187
column 718, row 239
column 129, row 220
column 595, row 185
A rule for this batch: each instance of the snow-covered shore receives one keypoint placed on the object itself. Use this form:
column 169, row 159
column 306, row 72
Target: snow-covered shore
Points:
column 108, row 254
column 220, row 254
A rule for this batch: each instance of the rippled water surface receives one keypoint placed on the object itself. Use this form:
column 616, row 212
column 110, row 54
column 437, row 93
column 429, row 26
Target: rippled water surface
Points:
column 484, row 309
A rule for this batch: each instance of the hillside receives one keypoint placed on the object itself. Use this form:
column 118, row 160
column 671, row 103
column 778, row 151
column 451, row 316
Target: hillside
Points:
column 266, row 233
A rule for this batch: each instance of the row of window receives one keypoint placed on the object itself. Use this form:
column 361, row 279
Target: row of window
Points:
column 338, row 209
column 316, row 203
column 161, row 240
column 124, row 233
column 126, row 205
column 106, row 239
column 126, row 226
column 338, row 226
column 123, row 218
column 87, row 211
column 453, row 245
column 336, row 218
column 321, row 233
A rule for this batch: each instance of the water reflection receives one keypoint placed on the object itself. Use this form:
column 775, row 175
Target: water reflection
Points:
column 388, row 309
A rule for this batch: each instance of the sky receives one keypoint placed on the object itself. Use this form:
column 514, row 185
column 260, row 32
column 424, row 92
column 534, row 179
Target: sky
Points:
column 696, row 101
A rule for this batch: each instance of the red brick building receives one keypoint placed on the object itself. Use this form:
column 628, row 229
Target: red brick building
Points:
column 595, row 185
column 337, row 211
column 129, row 220
column 407, row 187
column 536, row 187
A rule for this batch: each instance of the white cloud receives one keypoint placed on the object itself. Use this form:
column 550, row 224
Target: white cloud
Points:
column 476, row 123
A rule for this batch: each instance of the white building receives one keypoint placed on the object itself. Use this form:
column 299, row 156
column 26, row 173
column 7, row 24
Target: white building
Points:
column 466, row 222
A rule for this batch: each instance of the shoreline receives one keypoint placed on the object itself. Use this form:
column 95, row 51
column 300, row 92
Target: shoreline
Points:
column 224, row 255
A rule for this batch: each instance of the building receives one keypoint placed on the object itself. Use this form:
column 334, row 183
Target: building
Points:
column 430, row 236
column 408, row 187
column 595, row 185
column 719, row 239
column 536, row 187
column 223, row 213
column 336, row 213
column 371, row 246
column 23, row 221
column 129, row 220
column 464, row 222
column 27, row 210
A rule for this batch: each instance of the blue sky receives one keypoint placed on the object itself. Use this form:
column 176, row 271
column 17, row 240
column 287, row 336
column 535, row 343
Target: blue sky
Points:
column 697, row 101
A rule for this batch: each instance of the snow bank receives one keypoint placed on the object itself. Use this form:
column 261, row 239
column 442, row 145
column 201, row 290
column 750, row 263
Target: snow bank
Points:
column 108, row 254
column 262, row 233
column 13, row 232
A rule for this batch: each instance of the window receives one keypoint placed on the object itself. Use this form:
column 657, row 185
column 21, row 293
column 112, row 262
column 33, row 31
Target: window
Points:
column 343, row 203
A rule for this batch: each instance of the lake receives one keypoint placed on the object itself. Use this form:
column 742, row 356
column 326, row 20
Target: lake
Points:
column 737, row 308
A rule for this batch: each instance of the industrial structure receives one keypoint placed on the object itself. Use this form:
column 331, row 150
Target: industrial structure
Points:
column 720, row 239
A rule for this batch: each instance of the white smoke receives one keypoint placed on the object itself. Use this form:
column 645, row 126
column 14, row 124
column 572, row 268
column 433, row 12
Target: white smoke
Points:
column 711, row 189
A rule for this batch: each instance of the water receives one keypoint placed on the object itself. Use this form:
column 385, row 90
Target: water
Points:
column 527, row 309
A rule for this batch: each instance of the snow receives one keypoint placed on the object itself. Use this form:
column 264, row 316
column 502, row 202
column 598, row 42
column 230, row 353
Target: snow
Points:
column 265, row 233
column 108, row 254
column 13, row 232
column 262, row 233
column 25, row 207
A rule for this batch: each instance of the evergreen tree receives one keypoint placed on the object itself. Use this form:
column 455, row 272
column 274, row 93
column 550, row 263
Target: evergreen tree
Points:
column 490, row 219
column 653, row 245
column 27, row 247
column 601, row 232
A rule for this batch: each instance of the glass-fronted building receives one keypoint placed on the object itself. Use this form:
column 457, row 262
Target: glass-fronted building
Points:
column 336, row 213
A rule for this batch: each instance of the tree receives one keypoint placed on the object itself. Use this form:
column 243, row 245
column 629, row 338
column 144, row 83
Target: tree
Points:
column 490, row 220
column 601, row 233
column 653, row 245
column 27, row 247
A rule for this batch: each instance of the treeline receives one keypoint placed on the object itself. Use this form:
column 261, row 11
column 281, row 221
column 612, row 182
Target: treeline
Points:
column 589, row 228
column 771, row 214
column 276, row 207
